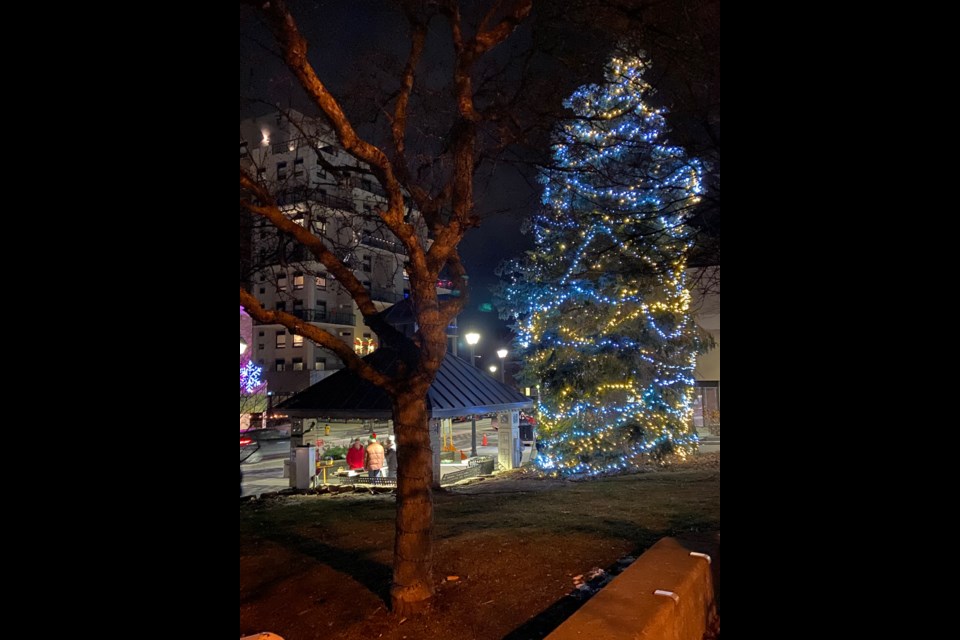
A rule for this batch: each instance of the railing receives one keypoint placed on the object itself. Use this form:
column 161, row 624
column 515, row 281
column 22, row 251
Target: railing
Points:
column 480, row 465
column 302, row 193
column 370, row 187
column 335, row 202
column 381, row 243
column 322, row 315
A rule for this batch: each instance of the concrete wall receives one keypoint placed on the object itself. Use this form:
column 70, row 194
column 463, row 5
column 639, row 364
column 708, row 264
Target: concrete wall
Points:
column 628, row 609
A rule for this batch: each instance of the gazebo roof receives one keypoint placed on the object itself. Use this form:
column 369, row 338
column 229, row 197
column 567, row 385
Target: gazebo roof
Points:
column 458, row 390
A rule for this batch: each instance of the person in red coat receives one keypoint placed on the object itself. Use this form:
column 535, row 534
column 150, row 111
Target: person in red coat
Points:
column 355, row 455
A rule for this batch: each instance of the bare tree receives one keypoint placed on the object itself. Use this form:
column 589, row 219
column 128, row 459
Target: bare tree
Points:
column 441, row 186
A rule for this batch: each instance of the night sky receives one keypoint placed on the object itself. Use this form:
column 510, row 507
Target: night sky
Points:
column 342, row 45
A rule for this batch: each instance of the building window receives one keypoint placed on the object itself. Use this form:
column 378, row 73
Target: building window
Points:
column 263, row 290
column 321, row 174
column 297, row 281
column 281, row 170
column 297, row 305
column 260, row 346
column 279, row 366
column 321, row 310
column 367, row 185
column 298, row 364
column 321, row 364
column 367, row 335
column 298, row 166
column 322, row 282
column 282, row 282
column 260, row 334
column 281, row 306
column 281, row 339
column 346, row 334
column 368, row 263
column 262, row 174
column 297, row 341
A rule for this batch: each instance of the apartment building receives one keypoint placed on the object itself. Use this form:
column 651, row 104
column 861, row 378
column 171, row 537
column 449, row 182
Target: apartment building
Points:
column 328, row 192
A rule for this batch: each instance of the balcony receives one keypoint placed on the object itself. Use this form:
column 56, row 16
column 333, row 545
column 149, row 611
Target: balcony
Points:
column 322, row 315
column 380, row 243
column 303, row 194
column 372, row 187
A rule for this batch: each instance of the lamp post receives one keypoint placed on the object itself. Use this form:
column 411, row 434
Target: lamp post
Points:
column 502, row 353
column 493, row 368
column 472, row 339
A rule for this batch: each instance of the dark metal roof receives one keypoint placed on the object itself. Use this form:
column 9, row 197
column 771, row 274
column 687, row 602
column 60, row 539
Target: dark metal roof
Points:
column 458, row 390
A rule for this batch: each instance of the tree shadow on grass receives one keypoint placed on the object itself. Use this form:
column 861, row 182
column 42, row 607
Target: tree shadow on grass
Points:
column 375, row 576
column 553, row 616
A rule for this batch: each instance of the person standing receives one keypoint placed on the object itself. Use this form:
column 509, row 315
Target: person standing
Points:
column 355, row 455
column 374, row 458
column 391, row 458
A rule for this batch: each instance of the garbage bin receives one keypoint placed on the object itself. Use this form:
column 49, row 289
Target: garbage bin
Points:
column 306, row 465
column 526, row 432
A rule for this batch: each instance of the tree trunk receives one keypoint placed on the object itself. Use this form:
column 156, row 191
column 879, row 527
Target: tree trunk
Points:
column 413, row 548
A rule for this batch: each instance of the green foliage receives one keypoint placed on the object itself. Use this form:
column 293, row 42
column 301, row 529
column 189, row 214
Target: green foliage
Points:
column 337, row 453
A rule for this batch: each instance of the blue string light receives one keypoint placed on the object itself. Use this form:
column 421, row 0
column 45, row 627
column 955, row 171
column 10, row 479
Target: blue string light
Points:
column 602, row 307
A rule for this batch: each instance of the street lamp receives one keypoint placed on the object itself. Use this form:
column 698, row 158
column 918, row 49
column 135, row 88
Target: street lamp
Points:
column 472, row 339
column 502, row 353
column 493, row 368
column 243, row 345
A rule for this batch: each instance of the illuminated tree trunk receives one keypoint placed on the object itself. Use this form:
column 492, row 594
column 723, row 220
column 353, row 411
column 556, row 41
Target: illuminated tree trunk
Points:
column 413, row 567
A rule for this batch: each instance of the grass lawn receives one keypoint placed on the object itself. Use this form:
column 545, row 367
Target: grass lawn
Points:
column 320, row 566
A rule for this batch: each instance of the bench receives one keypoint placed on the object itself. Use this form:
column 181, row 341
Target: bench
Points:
column 377, row 482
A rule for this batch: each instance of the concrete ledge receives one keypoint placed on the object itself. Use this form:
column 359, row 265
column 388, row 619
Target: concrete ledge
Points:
column 627, row 608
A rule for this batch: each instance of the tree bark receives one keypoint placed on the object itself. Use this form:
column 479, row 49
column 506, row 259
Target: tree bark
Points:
column 412, row 585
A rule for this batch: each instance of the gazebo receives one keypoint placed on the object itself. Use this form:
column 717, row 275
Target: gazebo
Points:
column 459, row 389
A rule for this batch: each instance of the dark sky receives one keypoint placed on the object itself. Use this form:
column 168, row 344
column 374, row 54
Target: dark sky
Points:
column 351, row 41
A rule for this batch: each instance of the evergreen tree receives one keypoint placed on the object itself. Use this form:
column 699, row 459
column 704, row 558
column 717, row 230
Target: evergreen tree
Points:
column 602, row 310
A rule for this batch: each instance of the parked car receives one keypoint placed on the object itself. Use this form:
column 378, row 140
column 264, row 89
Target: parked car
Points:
column 264, row 444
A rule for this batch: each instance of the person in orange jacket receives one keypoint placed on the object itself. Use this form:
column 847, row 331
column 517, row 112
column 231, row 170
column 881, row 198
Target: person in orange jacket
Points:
column 374, row 458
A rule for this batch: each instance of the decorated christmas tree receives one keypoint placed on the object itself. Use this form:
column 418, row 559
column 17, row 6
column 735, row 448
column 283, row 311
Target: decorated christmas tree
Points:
column 602, row 311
